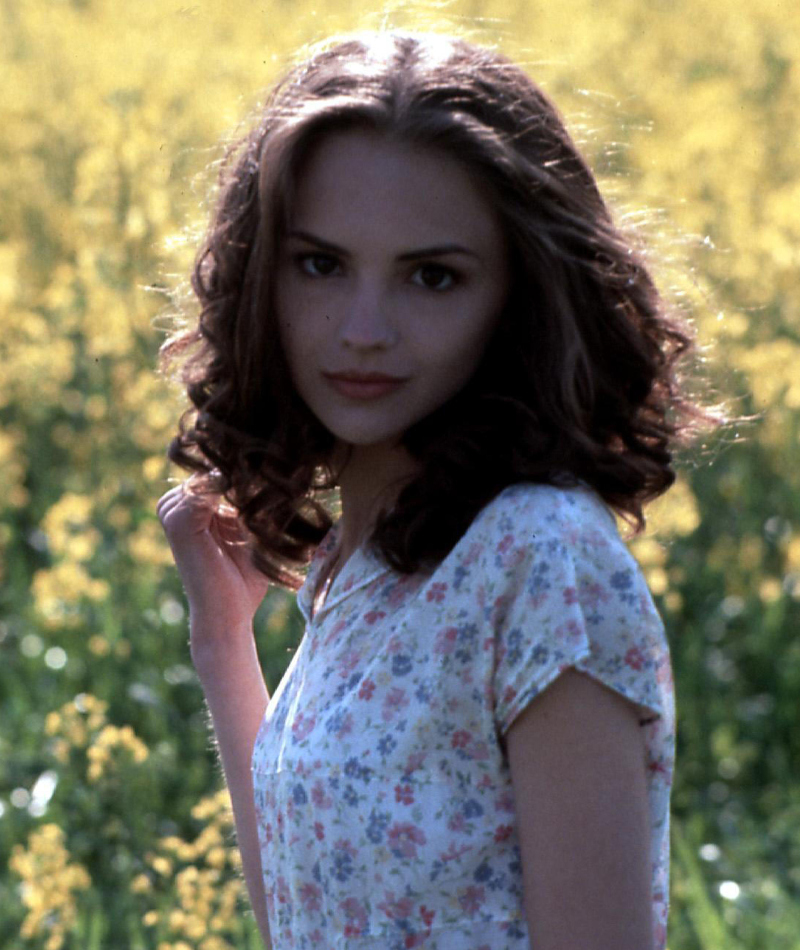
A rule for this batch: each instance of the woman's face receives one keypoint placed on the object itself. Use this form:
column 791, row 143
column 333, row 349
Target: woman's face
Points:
column 394, row 263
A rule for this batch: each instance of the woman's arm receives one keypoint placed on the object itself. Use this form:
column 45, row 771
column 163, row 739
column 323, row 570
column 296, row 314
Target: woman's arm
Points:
column 237, row 697
column 578, row 768
column 224, row 591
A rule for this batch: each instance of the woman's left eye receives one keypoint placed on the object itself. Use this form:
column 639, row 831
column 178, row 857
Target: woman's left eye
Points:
column 435, row 277
column 317, row 265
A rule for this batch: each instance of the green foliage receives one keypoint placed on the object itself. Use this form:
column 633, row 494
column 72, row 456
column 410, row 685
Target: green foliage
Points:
column 110, row 822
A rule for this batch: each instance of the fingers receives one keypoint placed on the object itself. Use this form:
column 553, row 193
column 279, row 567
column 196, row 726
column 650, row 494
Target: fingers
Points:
column 179, row 496
column 169, row 501
column 180, row 511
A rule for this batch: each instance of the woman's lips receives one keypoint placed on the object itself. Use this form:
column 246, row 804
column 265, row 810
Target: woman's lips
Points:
column 364, row 389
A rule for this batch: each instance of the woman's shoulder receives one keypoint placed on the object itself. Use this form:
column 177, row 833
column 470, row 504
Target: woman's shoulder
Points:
column 529, row 510
column 528, row 524
column 531, row 534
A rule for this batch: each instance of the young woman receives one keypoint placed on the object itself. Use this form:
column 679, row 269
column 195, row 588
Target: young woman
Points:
column 415, row 305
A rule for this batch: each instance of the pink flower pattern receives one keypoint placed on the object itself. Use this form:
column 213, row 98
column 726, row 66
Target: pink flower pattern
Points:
column 385, row 808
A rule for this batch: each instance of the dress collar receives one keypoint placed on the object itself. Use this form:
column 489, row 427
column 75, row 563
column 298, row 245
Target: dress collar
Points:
column 360, row 569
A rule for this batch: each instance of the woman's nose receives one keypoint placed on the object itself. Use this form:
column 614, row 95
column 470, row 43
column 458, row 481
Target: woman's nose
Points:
column 367, row 322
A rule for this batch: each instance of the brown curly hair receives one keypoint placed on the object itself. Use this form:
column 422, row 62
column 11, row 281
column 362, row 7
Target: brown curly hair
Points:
column 579, row 384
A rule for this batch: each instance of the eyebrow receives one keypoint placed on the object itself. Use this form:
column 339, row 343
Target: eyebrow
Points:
column 438, row 250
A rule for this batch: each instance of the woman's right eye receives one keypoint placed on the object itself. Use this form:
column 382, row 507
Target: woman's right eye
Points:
column 317, row 265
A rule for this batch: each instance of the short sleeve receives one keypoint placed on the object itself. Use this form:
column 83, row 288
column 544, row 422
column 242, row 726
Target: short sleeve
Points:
column 569, row 593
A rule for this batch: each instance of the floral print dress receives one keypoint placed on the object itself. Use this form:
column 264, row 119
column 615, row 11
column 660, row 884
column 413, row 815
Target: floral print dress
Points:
column 382, row 789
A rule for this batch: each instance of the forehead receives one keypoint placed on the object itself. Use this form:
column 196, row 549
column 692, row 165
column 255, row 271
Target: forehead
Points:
column 363, row 182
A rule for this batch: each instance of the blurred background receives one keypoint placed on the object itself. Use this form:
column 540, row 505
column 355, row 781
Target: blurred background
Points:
column 114, row 831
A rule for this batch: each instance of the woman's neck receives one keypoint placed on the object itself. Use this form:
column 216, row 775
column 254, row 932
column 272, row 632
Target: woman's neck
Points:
column 370, row 483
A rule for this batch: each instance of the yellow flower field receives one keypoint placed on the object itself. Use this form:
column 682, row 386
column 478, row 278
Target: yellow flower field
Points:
column 111, row 815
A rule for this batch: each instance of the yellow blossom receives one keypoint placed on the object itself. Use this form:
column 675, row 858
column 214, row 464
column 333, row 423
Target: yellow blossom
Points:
column 148, row 545
column 171, row 843
column 213, row 805
column 141, row 884
column 176, row 918
column 649, row 552
column 675, row 513
column 52, row 723
column 98, row 759
column 770, row 589
column 98, row 645
column 49, row 883
column 119, row 516
column 161, row 865
column 154, row 467
column 188, row 875
column 66, row 519
column 217, row 857
column 657, row 579
column 209, row 837
column 12, row 469
column 194, row 926
column 187, row 852
column 772, row 369
column 60, row 749
column 214, row 943
column 59, row 590
column 793, row 554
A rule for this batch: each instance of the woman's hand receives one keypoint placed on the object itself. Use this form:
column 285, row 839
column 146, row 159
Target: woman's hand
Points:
column 223, row 587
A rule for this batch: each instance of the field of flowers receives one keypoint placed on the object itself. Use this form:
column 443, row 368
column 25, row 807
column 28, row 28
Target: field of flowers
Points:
column 114, row 830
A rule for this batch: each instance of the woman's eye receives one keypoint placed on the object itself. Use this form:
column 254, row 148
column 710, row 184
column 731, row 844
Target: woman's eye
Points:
column 317, row 265
column 435, row 277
